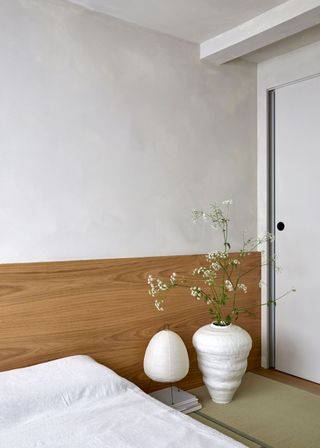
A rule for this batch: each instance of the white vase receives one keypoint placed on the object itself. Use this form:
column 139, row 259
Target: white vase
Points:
column 222, row 358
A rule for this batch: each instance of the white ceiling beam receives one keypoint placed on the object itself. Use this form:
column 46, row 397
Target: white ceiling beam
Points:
column 277, row 23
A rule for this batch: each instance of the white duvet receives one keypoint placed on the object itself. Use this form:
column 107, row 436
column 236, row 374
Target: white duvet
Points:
column 75, row 402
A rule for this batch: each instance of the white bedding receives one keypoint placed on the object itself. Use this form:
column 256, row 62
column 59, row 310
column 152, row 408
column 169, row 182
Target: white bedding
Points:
column 75, row 402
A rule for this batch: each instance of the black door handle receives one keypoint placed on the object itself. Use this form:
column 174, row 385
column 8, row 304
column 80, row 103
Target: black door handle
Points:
column 280, row 225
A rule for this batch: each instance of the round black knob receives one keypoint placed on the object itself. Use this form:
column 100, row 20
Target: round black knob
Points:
column 280, row 225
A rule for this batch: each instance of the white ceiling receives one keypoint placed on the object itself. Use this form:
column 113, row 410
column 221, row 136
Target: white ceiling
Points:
column 192, row 20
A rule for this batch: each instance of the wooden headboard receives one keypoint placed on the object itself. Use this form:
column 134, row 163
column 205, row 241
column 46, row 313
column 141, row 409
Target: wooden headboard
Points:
column 102, row 308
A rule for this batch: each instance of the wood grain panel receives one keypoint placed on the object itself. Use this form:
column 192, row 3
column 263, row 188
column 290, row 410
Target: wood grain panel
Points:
column 102, row 308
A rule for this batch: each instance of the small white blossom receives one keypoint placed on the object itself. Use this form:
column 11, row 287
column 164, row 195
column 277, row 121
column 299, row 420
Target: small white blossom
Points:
column 227, row 202
column 196, row 292
column 228, row 285
column 173, row 278
column 150, row 279
column 197, row 214
column 215, row 266
column 223, row 255
column 242, row 287
column 158, row 305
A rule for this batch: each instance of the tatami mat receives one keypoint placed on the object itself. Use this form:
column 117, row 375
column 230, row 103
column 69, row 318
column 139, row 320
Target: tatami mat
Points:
column 279, row 415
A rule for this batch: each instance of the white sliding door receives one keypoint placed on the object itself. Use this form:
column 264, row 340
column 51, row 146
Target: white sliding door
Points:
column 297, row 206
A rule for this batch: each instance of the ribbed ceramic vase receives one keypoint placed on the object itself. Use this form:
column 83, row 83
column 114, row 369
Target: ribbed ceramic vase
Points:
column 222, row 358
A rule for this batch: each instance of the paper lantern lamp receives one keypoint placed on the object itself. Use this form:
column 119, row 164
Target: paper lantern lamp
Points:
column 166, row 358
column 166, row 361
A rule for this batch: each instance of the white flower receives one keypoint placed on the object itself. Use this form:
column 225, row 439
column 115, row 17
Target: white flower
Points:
column 158, row 305
column 150, row 279
column 227, row 202
column 173, row 278
column 242, row 287
column 163, row 287
column 215, row 266
column 222, row 255
column 211, row 255
column 196, row 292
column 228, row 285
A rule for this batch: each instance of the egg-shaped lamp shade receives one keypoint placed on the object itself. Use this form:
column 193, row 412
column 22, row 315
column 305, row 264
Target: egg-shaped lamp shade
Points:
column 166, row 358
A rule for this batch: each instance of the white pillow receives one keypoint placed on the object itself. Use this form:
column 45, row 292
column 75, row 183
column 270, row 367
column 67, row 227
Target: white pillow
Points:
column 37, row 390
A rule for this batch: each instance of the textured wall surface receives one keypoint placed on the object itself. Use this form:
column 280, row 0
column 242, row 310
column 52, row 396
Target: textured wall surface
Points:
column 110, row 134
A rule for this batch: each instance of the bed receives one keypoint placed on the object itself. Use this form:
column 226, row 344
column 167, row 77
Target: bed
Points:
column 75, row 402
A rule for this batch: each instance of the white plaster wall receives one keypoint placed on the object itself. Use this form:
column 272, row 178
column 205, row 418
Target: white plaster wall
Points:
column 110, row 134
column 272, row 73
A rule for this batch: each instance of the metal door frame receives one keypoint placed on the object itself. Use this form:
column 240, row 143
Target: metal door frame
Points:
column 271, row 249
